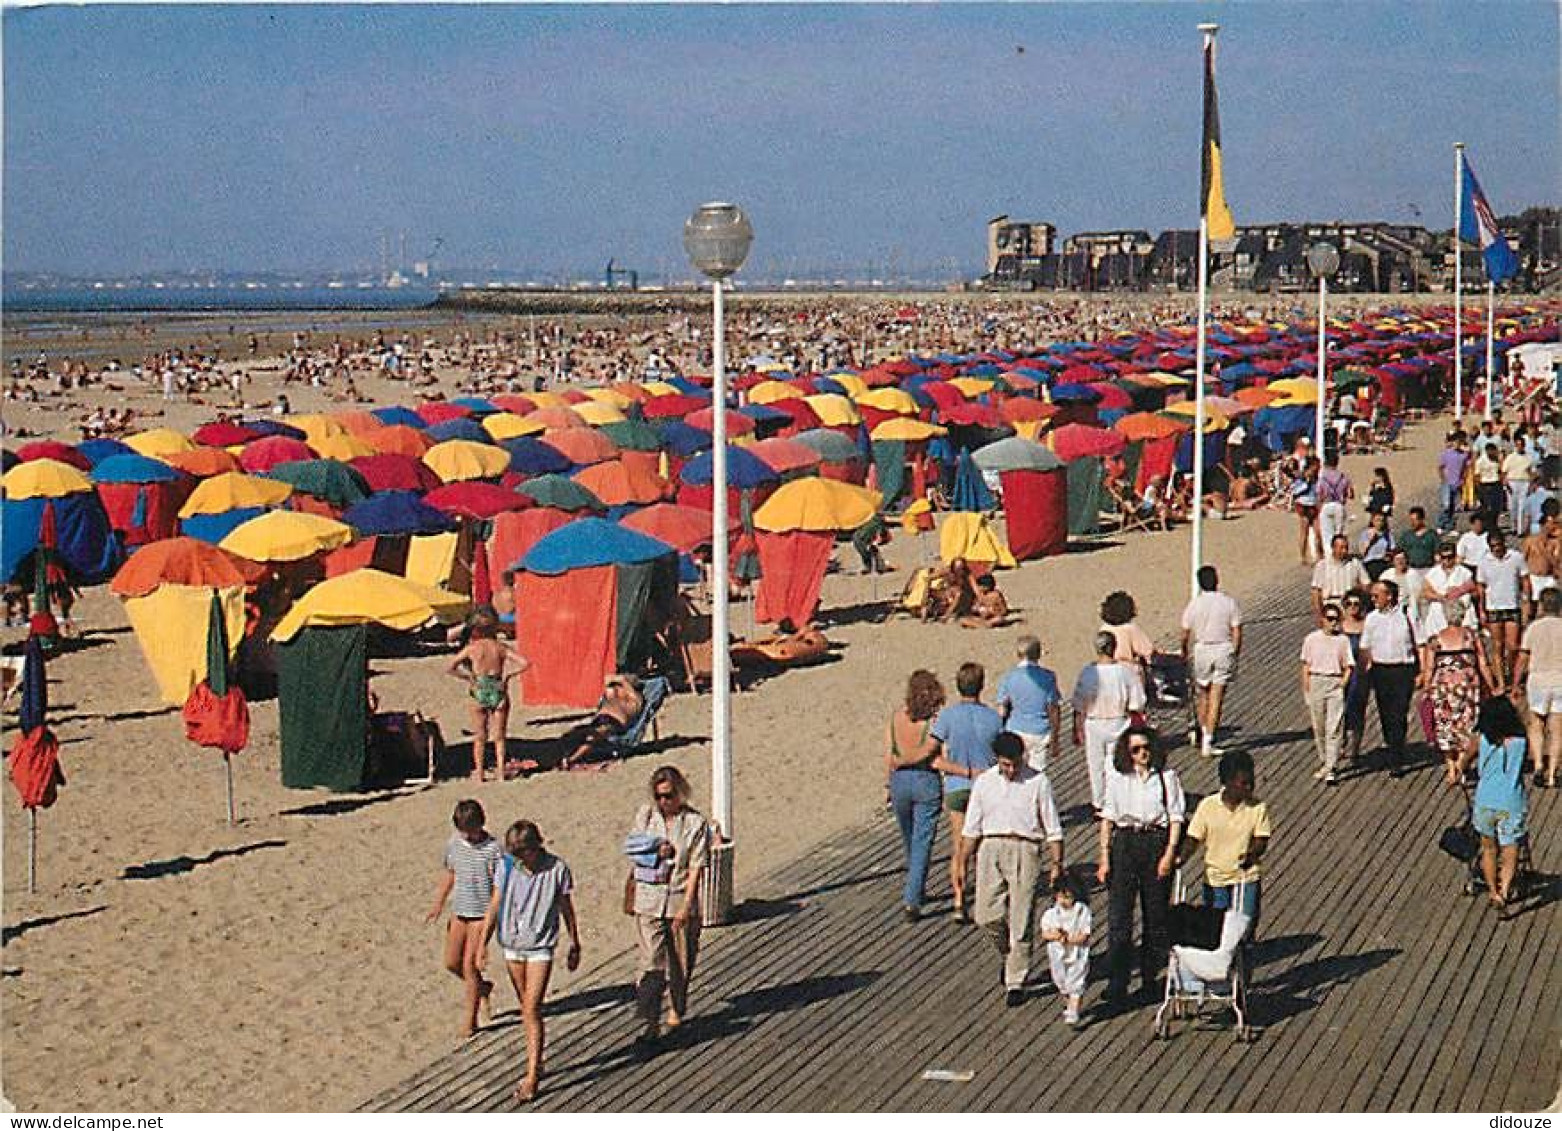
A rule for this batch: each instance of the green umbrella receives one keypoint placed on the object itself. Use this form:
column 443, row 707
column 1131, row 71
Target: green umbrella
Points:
column 217, row 648
column 1016, row 454
column 831, row 446
column 560, row 493
column 328, row 479
column 1351, row 379
column 633, row 435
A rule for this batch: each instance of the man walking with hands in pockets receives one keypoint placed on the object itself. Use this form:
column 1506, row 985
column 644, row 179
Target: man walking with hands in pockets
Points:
column 1212, row 635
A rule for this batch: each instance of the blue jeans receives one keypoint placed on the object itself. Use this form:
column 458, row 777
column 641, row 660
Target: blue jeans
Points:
column 1221, row 899
column 917, row 796
column 1449, row 497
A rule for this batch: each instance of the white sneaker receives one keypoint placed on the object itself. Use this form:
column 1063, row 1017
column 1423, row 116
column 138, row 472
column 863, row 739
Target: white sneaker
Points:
column 1210, row 749
column 1071, row 1016
column 1319, row 774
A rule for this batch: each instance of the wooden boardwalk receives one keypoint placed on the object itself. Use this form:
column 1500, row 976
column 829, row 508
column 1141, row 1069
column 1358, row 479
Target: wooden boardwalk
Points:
column 1377, row 984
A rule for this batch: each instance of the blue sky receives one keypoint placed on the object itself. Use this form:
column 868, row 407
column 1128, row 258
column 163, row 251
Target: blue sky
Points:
column 868, row 137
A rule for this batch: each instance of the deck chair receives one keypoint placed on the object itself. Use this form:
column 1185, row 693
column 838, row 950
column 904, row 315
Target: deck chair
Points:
column 1388, row 436
column 654, row 691
column 1126, row 507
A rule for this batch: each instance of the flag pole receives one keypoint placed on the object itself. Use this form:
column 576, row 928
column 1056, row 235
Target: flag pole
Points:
column 1458, row 279
column 1491, row 350
column 1197, row 554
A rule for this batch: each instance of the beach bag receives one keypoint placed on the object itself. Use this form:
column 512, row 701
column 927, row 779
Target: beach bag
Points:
column 1460, row 841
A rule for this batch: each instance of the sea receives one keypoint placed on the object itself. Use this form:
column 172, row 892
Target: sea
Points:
column 131, row 299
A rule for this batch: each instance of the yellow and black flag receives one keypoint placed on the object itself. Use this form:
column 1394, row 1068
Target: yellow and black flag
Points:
column 1212, row 200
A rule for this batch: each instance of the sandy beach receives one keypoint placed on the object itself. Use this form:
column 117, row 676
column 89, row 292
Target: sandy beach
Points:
column 284, row 964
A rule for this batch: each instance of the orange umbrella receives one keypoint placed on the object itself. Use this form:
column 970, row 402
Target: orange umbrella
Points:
column 1254, row 397
column 203, row 463
column 616, row 483
column 631, row 391
column 1016, row 409
column 399, row 440
column 1150, row 426
column 359, row 422
column 184, row 561
column 557, row 418
column 685, row 528
column 581, row 445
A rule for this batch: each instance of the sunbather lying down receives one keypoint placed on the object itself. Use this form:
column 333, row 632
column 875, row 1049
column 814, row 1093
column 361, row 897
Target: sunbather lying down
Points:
column 620, row 704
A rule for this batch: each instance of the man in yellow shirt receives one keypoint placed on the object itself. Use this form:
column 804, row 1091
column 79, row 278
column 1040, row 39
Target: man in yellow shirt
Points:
column 1234, row 829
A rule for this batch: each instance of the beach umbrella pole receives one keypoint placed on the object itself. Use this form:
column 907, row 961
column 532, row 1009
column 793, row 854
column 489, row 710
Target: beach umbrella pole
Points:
column 32, row 851
column 227, row 766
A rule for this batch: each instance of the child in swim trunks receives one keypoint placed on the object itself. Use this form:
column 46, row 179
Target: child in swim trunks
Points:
column 488, row 665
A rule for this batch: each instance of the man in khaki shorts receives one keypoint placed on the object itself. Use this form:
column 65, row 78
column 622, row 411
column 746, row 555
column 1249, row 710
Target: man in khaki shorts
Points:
column 1539, row 671
column 1212, row 636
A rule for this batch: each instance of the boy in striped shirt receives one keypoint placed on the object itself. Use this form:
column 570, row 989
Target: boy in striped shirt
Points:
column 471, row 861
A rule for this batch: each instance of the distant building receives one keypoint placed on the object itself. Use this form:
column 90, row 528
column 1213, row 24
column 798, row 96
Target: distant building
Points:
column 1013, row 243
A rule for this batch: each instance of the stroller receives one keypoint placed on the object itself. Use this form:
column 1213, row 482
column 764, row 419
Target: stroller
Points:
column 1169, row 686
column 1208, row 963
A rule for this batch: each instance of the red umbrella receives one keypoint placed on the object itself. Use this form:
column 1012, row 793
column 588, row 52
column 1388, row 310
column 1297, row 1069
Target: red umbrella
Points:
column 982, row 415
column 574, row 396
column 482, row 582
column 674, row 404
column 785, row 455
column 1112, row 396
column 475, row 499
column 1075, row 440
column 437, row 412
column 582, row 446
column 1016, row 409
column 944, row 395
column 392, row 472
column 802, row 413
column 35, row 755
column 265, row 454
column 53, row 449
column 223, row 434
column 684, row 528
column 513, row 402
column 216, row 713
column 705, row 420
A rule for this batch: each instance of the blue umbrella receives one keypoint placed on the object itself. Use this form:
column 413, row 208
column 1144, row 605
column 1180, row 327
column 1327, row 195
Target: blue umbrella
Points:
column 396, row 512
column 530, row 456
column 480, row 405
column 265, row 427
column 98, row 450
column 397, row 414
column 133, row 468
column 459, row 428
column 589, row 542
column 744, row 469
column 684, row 439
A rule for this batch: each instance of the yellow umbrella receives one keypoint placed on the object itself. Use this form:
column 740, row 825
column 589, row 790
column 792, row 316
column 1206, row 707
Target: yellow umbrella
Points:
column 815, row 503
column 972, row 386
column 160, row 442
column 769, row 392
column 317, row 428
column 854, row 385
column 889, row 399
column 598, row 412
column 232, row 490
column 456, row 460
column 285, row 536
column 1167, row 379
column 1295, row 390
column 906, row 428
column 608, row 396
column 44, row 479
column 370, row 595
column 1213, row 421
column 545, row 399
column 507, row 426
column 343, row 447
column 655, row 388
column 833, row 409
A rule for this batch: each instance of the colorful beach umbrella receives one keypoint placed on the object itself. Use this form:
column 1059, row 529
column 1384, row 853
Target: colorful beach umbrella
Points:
column 370, row 596
column 457, row 460
column 684, row 528
column 159, row 442
column 232, row 491
column 53, row 449
column 184, row 561
column 202, row 463
column 286, row 536
column 817, row 504
column 472, row 499
column 560, row 493
column 43, row 479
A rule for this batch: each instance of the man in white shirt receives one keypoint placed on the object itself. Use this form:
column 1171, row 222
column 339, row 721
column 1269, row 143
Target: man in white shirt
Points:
column 1212, row 636
column 1105, row 695
column 1336, row 575
column 1501, row 575
column 1446, row 579
column 1388, row 657
column 1517, row 467
column 1010, row 814
column 1472, row 545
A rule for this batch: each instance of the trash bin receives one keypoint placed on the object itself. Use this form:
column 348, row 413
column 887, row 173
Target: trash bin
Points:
column 716, row 885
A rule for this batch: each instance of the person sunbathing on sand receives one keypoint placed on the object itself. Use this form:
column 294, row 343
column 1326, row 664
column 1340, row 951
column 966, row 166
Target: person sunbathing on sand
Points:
column 489, row 666
column 620, row 704
column 990, row 609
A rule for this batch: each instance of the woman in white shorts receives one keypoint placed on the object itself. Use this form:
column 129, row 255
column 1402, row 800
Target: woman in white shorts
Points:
column 532, row 895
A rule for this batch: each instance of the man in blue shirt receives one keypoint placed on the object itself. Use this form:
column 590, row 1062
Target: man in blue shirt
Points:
column 964, row 732
column 1029, row 701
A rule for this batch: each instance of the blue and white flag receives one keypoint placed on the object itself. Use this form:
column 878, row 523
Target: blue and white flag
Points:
column 1478, row 225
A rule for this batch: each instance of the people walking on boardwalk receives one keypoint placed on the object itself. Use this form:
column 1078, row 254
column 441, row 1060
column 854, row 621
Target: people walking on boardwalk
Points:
column 1455, row 676
column 1474, row 543
column 965, row 732
column 1490, row 495
column 1233, row 826
column 467, row 882
column 1304, row 501
column 1353, row 618
column 1327, row 665
column 1448, row 580
column 1139, row 835
column 1335, row 491
column 1065, row 927
column 1212, row 637
column 1336, row 575
column 1376, row 545
column 1451, row 467
column 1538, row 671
column 1501, row 577
column 1105, row 695
column 1542, row 552
column 532, row 897
column 1010, row 815
column 1419, row 542
column 1518, row 466
column 665, row 901
column 1030, row 704
column 1134, row 646
column 915, row 788
column 1388, row 656
column 1501, row 809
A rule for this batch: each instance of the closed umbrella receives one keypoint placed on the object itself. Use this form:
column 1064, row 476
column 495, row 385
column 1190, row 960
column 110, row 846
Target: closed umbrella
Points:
column 216, row 713
column 35, row 755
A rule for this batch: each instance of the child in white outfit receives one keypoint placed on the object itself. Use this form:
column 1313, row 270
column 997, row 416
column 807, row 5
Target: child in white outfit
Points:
column 1065, row 926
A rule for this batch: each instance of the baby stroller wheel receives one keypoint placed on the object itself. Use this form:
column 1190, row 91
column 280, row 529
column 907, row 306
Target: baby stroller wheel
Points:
column 1244, row 1034
column 1469, row 887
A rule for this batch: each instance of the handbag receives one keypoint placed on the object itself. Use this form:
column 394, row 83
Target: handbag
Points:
column 1460, row 841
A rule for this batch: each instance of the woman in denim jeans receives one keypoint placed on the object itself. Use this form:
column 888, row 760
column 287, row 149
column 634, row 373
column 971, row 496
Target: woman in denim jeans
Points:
column 915, row 789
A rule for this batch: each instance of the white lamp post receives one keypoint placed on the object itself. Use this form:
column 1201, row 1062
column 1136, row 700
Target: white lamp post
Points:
column 1323, row 259
column 717, row 238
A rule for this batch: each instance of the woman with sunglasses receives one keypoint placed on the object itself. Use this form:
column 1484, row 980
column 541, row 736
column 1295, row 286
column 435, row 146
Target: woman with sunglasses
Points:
column 1141, row 825
column 1353, row 618
column 664, row 898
